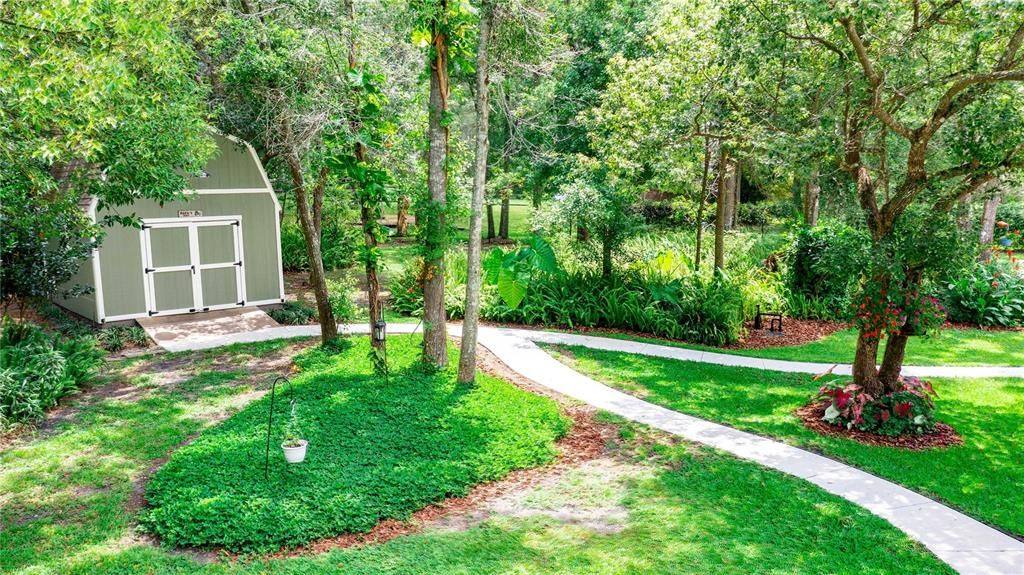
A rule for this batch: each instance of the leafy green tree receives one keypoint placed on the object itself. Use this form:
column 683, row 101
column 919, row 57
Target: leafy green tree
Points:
column 930, row 114
column 596, row 199
column 279, row 84
column 98, row 99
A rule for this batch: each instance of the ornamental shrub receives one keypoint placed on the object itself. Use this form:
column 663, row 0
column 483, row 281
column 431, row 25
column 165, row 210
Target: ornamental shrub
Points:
column 698, row 308
column 702, row 309
column 989, row 294
column 908, row 410
column 824, row 264
column 337, row 247
column 293, row 313
column 37, row 370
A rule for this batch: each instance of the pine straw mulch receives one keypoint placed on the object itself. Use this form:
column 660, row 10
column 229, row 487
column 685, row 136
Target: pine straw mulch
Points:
column 943, row 436
column 587, row 440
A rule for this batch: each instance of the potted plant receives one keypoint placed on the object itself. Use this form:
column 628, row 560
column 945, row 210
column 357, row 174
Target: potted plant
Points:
column 294, row 445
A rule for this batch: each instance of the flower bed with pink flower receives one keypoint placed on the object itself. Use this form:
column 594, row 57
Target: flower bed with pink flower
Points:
column 907, row 410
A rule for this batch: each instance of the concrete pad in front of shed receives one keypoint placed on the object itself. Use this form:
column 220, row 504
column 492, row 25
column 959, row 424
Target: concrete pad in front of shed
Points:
column 195, row 328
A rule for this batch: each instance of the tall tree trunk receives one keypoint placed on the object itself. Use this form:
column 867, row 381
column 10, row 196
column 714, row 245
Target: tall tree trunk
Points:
column 720, row 206
column 812, row 195
column 368, row 210
column 402, row 225
column 311, row 232
column 896, row 345
column 606, row 255
column 503, row 223
column 435, row 336
column 702, row 200
column 865, row 369
column 737, row 181
column 467, row 358
column 988, row 226
column 730, row 194
column 490, row 222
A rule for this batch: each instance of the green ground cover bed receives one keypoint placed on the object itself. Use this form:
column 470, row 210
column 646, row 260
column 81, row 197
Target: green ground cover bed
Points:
column 981, row 477
column 963, row 347
column 376, row 451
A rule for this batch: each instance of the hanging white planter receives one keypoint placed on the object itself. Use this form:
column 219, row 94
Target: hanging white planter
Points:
column 296, row 453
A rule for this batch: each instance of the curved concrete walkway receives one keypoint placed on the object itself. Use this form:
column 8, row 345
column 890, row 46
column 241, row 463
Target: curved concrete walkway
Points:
column 967, row 545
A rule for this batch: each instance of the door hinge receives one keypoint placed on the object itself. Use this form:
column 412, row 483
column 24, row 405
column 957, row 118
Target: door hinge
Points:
column 192, row 310
column 148, row 270
column 236, row 223
column 238, row 263
column 241, row 302
column 193, row 269
column 151, row 313
column 206, row 309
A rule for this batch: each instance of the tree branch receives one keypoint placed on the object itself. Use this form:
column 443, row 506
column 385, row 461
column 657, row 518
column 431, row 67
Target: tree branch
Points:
column 876, row 79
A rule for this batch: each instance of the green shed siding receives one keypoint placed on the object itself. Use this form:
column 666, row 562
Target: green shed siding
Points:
column 120, row 272
column 232, row 167
column 85, row 304
column 121, row 252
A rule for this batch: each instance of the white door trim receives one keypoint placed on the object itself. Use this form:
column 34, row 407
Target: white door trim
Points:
column 192, row 225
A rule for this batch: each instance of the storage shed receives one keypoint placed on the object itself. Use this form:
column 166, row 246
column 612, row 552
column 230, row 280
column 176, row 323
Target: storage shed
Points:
column 220, row 248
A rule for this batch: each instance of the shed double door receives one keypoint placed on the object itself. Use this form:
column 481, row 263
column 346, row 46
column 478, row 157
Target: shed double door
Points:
column 192, row 265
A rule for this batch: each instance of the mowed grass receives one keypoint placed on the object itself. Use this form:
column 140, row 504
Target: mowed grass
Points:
column 962, row 347
column 690, row 510
column 377, row 450
column 69, row 501
column 983, row 477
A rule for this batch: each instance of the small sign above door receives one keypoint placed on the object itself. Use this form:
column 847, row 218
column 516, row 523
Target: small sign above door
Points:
column 190, row 213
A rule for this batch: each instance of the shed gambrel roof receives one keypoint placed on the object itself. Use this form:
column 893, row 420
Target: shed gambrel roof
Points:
column 234, row 167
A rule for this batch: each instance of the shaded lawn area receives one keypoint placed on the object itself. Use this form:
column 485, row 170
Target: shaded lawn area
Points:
column 983, row 477
column 966, row 347
column 377, row 450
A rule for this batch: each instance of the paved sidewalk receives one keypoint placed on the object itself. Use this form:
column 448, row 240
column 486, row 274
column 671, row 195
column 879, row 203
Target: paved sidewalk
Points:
column 968, row 546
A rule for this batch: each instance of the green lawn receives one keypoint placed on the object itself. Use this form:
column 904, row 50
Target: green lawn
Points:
column 520, row 212
column 965, row 347
column 69, row 496
column 982, row 477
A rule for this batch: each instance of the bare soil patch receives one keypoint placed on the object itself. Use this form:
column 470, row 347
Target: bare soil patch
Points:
column 943, row 436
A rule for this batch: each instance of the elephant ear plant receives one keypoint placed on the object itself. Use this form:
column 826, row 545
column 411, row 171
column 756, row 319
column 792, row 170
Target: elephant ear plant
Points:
column 294, row 445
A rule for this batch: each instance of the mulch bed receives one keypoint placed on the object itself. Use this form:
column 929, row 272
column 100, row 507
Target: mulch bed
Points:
column 795, row 332
column 956, row 325
column 943, row 436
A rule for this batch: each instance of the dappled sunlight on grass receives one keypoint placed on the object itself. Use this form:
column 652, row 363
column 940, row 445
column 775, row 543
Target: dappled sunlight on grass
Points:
column 979, row 477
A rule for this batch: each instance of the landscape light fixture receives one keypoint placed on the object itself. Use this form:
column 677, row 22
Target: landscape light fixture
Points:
column 379, row 333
